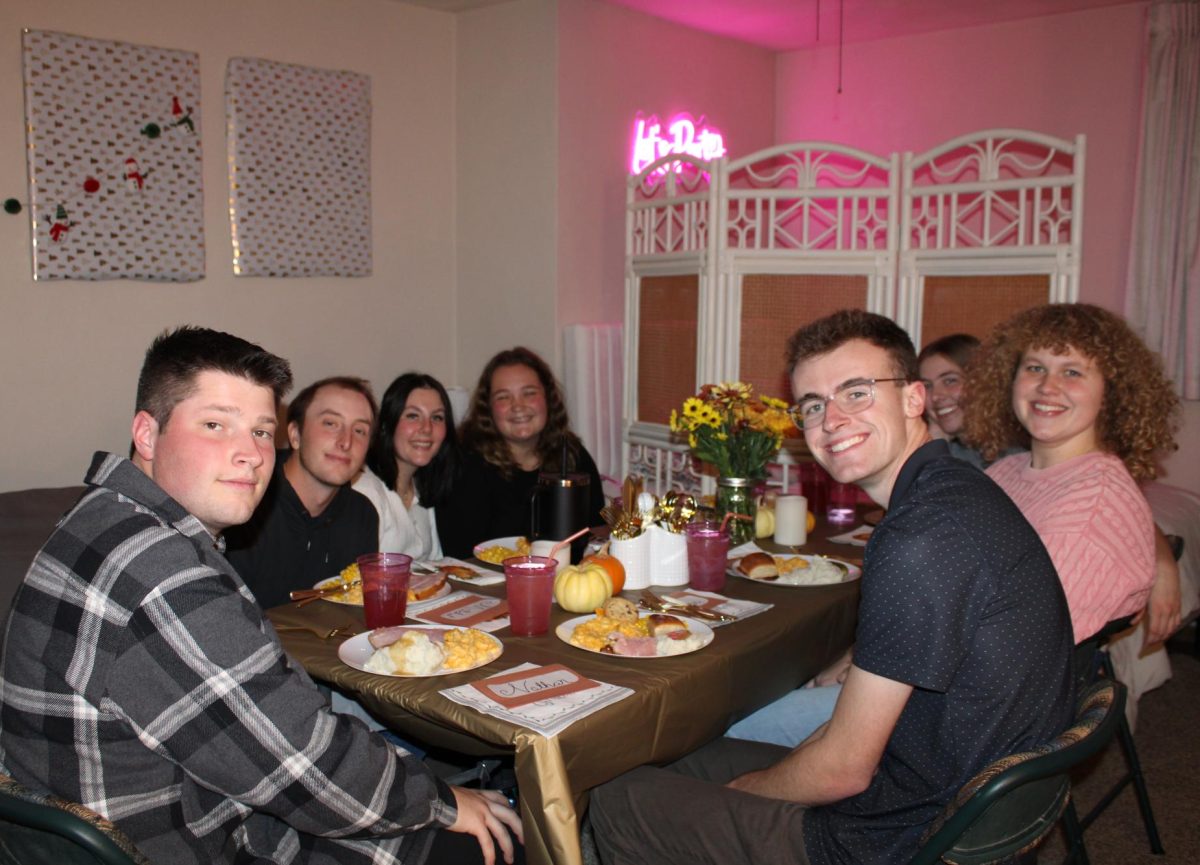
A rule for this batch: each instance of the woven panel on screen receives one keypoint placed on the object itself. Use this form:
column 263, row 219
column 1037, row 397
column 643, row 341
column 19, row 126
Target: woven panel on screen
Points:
column 976, row 304
column 666, row 345
column 774, row 306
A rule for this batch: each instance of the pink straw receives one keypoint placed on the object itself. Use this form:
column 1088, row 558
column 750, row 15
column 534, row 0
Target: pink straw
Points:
column 732, row 516
column 554, row 549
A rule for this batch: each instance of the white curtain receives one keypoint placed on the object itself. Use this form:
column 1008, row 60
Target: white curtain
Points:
column 593, row 379
column 1162, row 297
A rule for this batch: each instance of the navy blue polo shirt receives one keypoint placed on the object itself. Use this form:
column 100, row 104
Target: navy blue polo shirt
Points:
column 961, row 601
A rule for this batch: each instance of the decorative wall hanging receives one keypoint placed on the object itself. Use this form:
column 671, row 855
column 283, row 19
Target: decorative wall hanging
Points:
column 299, row 169
column 114, row 159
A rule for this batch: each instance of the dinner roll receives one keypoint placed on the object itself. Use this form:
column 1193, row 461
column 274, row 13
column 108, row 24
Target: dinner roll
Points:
column 661, row 624
column 759, row 566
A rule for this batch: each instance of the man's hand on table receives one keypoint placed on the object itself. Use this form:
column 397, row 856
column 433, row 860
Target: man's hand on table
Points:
column 485, row 814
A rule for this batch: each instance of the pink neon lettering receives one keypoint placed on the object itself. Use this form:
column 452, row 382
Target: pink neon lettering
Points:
column 685, row 135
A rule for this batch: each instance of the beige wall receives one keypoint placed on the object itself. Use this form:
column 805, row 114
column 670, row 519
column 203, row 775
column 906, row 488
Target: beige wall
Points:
column 506, row 179
column 70, row 350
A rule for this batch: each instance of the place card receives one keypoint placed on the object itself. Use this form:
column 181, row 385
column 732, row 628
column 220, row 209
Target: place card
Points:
column 513, row 690
column 465, row 610
column 856, row 536
column 548, row 715
column 696, row 599
column 717, row 604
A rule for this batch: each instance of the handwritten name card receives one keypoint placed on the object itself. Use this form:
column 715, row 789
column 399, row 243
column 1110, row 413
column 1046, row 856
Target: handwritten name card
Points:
column 466, row 610
column 530, row 686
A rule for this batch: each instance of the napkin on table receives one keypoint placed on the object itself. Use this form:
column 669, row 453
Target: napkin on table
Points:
column 548, row 717
column 486, row 576
column 460, row 609
column 856, row 536
column 717, row 604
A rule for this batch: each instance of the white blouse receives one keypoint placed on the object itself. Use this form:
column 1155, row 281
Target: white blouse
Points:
column 411, row 531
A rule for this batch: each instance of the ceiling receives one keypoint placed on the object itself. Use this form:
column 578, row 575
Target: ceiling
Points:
column 785, row 25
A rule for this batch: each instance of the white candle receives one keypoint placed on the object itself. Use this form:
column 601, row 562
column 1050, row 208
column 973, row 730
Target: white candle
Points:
column 791, row 520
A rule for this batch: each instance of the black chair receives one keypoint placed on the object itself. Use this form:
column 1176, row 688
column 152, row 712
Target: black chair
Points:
column 1093, row 663
column 1002, row 813
column 1175, row 542
column 39, row 829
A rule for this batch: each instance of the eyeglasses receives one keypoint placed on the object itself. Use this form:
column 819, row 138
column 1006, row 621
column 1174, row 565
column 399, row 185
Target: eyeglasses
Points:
column 849, row 398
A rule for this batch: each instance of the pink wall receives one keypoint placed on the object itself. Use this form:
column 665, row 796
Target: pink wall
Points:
column 612, row 63
column 1060, row 75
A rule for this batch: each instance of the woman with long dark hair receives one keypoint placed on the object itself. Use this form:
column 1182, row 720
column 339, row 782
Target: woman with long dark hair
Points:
column 516, row 427
column 411, row 465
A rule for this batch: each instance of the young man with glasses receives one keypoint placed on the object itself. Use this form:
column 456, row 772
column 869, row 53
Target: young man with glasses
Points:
column 963, row 646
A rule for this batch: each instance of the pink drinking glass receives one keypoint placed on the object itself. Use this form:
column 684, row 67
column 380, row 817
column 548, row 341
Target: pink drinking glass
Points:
column 707, row 549
column 385, row 579
column 530, row 584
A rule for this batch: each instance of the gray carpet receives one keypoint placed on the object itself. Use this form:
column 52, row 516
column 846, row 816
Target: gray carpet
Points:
column 1168, row 743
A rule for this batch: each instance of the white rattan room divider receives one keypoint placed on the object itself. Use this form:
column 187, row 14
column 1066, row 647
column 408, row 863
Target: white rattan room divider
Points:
column 996, row 202
column 992, row 202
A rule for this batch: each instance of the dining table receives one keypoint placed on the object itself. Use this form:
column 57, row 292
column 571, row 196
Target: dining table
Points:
column 678, row 703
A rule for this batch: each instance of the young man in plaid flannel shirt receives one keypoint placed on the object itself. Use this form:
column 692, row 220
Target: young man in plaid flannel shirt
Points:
column 140, row 678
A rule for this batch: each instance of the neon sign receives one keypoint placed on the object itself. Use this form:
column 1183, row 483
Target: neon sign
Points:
column 684, row 134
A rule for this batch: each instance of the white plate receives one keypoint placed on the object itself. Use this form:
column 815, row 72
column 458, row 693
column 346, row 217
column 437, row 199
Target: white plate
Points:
column 510, row 542
column 701, row 630
column 852, row 572
column 356, row 651
column 332, row 581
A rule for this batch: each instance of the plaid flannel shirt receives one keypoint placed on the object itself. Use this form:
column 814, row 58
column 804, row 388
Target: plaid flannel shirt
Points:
column 140, row 678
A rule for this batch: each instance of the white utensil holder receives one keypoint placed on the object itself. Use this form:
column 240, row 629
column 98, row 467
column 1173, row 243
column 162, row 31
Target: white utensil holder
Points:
column 668, row 557
column 634, row 555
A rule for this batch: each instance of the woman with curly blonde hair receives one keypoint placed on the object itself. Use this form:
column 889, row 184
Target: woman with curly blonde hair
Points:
column 1074, row 384
column 516, row 427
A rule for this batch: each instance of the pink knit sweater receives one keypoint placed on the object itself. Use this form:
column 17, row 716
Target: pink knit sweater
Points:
column 1096, row 526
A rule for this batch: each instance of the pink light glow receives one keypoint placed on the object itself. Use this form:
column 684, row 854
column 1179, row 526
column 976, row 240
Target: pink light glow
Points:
column 684, row 134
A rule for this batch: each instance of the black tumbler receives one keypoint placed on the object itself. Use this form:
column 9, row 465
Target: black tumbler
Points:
column 560, row 509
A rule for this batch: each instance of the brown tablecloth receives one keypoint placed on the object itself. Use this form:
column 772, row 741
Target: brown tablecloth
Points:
column 678, row 703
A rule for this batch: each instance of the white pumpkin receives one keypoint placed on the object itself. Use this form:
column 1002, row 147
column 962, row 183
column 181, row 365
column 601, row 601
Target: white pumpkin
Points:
column 582, row 588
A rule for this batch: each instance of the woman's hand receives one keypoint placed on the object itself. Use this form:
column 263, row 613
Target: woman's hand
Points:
column 835, row 673
column 485, row 814
column 1163, row 607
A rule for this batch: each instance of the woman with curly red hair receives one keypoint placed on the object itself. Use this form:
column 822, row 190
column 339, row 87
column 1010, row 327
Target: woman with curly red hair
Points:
column 1074, row 384
column 516, row 427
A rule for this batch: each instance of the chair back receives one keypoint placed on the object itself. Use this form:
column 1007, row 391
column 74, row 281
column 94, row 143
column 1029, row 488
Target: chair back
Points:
column 1084, row 659
column 39, row 829
column 1008, row 807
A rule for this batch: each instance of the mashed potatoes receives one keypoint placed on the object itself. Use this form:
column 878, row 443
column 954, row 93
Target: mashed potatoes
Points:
column 671, row 646
column 816, row 572
column 414, row 654
column 417, row 653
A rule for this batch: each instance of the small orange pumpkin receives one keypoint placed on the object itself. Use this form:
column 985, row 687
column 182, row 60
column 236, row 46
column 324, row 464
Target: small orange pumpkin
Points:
column 611, row 564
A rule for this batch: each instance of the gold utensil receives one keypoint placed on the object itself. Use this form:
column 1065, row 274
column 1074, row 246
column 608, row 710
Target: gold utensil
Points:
column 323, row 633
column 658, row 604
column 312, row 594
